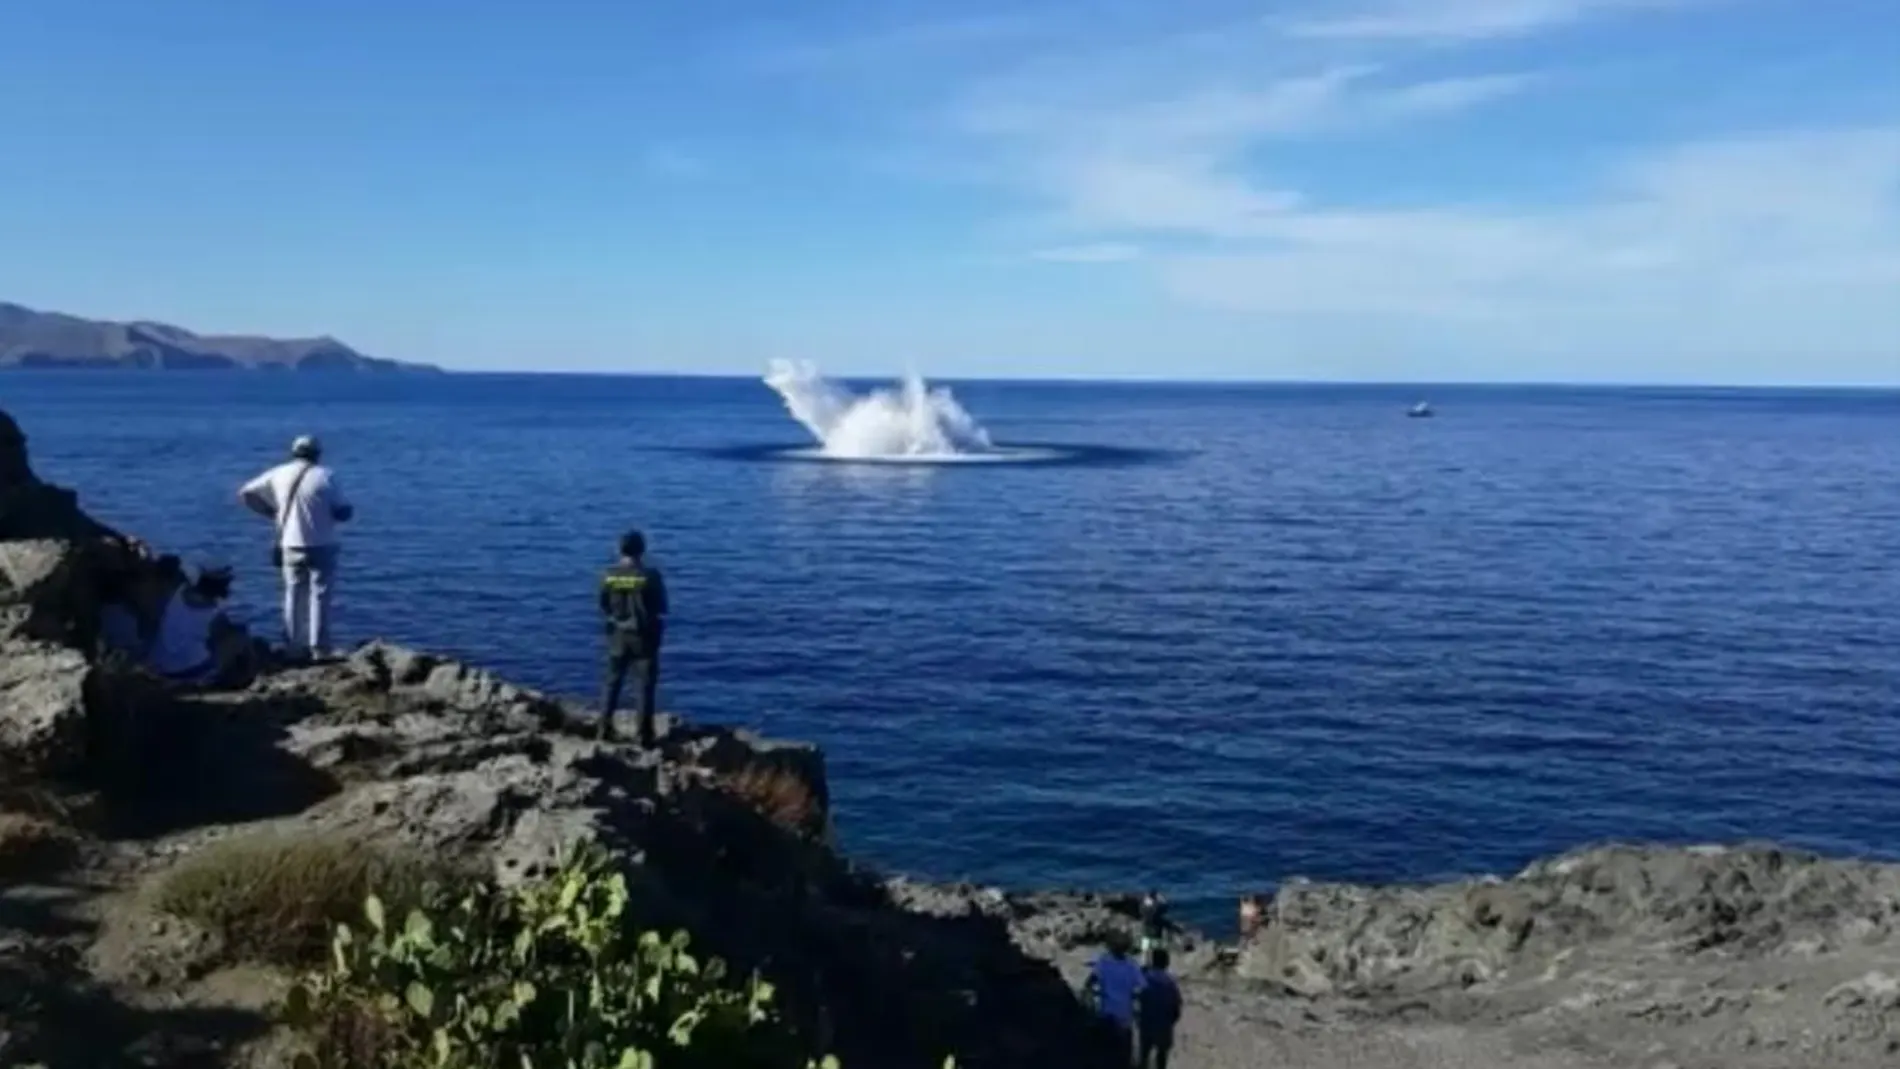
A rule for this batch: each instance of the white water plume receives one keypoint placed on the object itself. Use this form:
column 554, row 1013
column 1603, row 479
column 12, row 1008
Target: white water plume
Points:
column 911, row 422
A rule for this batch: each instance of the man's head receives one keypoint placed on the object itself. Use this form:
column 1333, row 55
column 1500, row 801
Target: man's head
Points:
column 306, row 447
column 1160, row 959
column 1119, row 944
column 633, row 545
column 214, row 582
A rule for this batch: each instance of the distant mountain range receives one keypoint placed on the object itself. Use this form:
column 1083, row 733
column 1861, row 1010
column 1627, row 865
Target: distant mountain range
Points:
column 33, row 339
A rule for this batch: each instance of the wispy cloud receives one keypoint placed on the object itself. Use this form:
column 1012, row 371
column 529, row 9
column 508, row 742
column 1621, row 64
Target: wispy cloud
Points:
column 665, row 161
column 1101, row 252
column 1172, row 163
column 1738, row 241
column 1464, row 20
column 1445, row 96
column 1188, row 155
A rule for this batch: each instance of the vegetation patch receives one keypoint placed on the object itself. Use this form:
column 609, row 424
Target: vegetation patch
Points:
column 552, row 974
column 274, row 897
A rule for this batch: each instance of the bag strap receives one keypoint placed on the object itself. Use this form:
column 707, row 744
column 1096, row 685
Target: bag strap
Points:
column 289, row 501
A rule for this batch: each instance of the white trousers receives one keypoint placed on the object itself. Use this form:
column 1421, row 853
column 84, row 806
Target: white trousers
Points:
column 309, row 581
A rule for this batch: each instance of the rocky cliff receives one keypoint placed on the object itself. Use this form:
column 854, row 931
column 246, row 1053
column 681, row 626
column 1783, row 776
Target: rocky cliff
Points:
column 1613, row 956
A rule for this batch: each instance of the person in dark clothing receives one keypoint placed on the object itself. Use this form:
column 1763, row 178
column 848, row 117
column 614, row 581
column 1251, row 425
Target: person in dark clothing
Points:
column 1113, row 988
column 1154, row 923
column 633, row 608
column 1159, row 1005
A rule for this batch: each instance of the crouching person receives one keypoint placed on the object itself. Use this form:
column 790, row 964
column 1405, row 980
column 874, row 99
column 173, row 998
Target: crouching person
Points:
column 195, row 643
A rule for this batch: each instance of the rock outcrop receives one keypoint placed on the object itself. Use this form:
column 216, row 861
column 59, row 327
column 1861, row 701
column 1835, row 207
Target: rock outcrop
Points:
column 1622, row 901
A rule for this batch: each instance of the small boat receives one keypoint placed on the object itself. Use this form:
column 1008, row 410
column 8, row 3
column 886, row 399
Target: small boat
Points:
column 1422, row 410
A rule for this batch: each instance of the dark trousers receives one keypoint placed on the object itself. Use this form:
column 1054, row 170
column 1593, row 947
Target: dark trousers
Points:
column 1155, row 1048
column 645, row 664
column 1117, row 1042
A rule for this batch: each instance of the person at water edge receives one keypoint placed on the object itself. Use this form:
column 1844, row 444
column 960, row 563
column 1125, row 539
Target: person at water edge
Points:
column 1154, row 922
column 305, row 501
column 1159, row 1012
column 1115, row 982
column 1251, row 914
column 633, row 607
column 195, row 643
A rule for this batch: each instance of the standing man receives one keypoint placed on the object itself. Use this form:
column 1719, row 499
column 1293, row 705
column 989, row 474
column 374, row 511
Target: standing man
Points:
column 1159, row 1006
column 633, row 606
column 1114, row 984
column 305, row 502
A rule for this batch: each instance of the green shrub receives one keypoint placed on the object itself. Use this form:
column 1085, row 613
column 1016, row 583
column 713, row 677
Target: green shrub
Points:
column 274, row 897
column 548, row 975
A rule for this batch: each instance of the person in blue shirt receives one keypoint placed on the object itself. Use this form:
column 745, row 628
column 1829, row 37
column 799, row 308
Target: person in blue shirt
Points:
column 1160, row 1010
column 1115, row 982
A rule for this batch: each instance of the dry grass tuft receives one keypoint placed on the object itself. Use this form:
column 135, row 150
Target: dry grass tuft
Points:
column 778, row 795
column 276, row 897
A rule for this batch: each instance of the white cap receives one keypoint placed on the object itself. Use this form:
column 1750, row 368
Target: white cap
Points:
column 306, row 447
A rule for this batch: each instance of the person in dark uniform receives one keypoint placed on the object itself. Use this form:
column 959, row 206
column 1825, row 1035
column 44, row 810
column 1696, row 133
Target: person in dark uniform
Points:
column 633, row 605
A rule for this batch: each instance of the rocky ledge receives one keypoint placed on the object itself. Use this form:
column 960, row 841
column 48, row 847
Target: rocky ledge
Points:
column 1612, row 956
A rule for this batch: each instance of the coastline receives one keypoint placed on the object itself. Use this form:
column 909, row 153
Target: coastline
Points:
column 1608, row 956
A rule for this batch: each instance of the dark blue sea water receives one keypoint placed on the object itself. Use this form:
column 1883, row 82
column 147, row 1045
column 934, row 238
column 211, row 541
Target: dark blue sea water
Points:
column 1303, row 635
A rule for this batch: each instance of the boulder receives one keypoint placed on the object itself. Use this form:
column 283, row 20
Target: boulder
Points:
column 46, row 591
column 43, row 700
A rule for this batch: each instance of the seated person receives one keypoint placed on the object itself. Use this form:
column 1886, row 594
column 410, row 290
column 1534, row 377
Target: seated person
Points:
column 195, row 643
column 132, row 598
column 120, row 629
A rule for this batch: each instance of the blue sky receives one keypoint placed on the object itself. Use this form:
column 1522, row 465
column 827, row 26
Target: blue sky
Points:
column 1574, row 190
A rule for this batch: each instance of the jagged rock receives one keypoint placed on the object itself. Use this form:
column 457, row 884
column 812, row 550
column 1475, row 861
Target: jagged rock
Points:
column 1333, row 938
column 411, row 673
column 45, row 593
column 43, row 691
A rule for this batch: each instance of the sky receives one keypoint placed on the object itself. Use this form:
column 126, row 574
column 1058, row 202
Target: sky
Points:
column 1701, row 191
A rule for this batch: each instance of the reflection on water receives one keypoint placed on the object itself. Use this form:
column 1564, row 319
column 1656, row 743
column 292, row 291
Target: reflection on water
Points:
column 804, row 479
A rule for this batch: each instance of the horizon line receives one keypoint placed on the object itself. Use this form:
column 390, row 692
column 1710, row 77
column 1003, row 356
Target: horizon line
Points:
column 1138, row 380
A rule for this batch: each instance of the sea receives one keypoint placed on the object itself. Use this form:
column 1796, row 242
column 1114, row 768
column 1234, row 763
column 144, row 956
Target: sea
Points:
column 1214, row 637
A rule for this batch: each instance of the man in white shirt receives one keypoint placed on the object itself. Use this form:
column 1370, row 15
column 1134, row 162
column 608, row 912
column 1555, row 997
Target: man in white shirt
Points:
column 304, row 500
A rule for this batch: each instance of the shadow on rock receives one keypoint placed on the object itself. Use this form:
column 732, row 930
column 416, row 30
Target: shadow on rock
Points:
column 189, row 761
column 870, row 981
column 52, row 1014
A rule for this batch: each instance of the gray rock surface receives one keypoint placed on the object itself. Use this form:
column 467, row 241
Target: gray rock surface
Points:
column 43, row 692
column 1328, row 938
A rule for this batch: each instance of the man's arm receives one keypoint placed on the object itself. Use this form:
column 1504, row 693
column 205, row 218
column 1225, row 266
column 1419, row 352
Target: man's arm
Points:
column 659, row 592
column 258, row 496
column 340, row 506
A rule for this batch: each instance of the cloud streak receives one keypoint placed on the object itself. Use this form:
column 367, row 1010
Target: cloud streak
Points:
column 1102, row 252
column 1467, row 20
